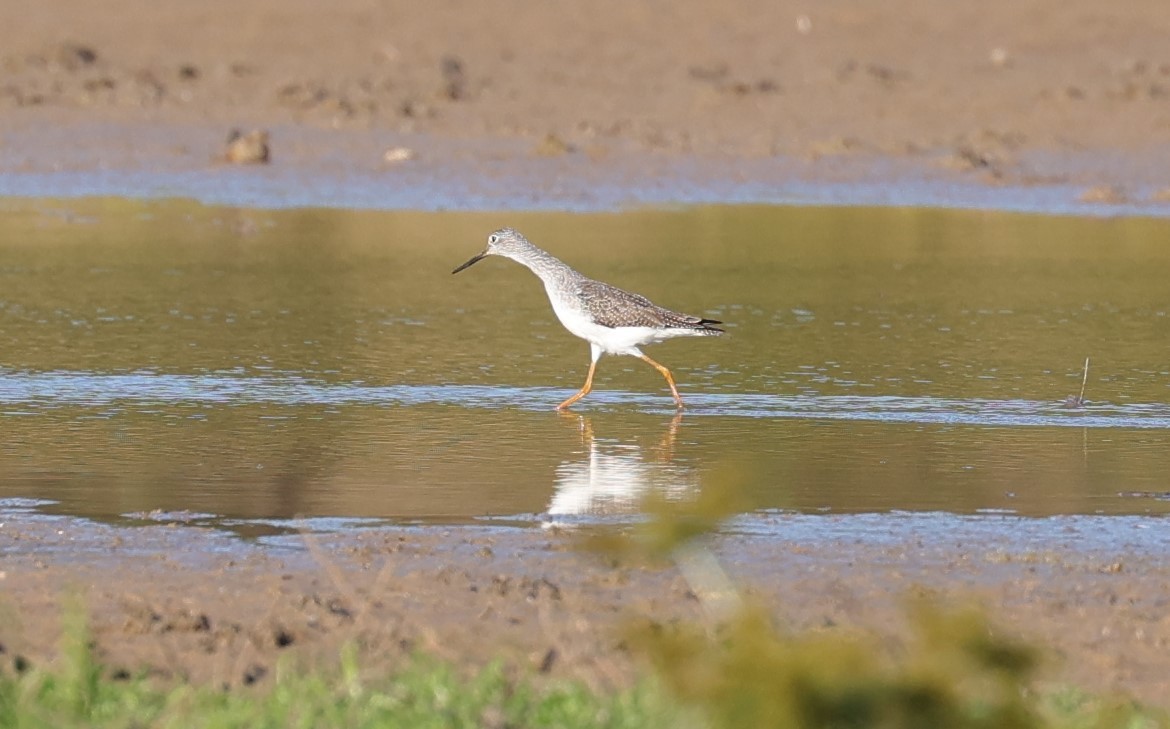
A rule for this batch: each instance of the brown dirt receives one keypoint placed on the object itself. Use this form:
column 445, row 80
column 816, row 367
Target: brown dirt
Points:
column 197, row 603
column 1034, row 92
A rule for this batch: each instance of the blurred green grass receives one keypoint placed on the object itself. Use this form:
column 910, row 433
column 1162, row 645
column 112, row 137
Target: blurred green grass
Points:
column 76, row 693
column 743, row 673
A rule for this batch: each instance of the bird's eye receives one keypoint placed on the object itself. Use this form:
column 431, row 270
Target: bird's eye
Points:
column 493, row 239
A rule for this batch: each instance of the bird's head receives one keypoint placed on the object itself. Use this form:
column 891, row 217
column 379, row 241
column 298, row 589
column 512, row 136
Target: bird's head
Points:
column 504, row 242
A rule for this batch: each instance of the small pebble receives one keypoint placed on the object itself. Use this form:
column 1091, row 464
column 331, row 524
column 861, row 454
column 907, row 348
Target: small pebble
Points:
column 394, row 155
column 1104, row 194
column 75, row 56
column 552, row 146
column 247, row 149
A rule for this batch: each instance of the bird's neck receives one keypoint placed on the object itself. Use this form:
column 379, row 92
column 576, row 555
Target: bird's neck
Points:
column 545, row 265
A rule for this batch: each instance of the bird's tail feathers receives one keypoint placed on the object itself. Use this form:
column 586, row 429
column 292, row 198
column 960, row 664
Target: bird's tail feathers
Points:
column 705, row 326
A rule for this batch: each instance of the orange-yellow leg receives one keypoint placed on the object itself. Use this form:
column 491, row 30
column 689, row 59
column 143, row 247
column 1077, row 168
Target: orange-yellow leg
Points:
column 669, row 379
column 584, row 390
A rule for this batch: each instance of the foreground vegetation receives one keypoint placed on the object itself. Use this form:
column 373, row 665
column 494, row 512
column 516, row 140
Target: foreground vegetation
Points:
column 745, row 673
column 422, row 696
column 741, row 672
column 735, row 669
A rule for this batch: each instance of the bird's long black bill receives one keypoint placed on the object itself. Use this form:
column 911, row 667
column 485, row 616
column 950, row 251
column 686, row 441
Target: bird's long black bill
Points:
column 469, row 263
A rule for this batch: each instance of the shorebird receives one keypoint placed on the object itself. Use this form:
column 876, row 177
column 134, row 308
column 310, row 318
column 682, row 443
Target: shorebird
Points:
column 613, row 321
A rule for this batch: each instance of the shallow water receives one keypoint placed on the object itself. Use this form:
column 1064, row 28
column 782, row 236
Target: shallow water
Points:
column 265, row 364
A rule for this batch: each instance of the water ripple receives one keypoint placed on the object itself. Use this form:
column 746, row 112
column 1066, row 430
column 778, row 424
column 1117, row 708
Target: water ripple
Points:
column 33, row 391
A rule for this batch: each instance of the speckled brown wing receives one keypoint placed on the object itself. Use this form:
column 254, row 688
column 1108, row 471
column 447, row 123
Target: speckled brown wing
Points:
column 612, row 307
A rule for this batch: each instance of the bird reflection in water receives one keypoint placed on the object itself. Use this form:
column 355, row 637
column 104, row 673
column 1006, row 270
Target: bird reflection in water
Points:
column 614, row 477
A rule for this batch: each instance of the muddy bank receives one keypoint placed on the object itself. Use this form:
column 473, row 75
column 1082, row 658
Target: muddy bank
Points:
column 203, row 604
column 505, row 104
column 313, row 167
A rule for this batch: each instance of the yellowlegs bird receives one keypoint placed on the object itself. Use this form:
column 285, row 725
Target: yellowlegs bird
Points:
column 613, row 321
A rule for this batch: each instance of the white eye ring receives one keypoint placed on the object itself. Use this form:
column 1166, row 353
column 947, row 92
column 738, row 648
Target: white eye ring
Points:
column 493, row 238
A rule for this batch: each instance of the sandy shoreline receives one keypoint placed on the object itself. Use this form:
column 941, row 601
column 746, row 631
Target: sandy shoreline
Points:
column 1032, row 106
column 344, row 169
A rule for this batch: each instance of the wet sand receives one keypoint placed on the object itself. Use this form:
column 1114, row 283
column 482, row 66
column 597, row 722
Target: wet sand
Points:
column 526, row 105
column 512, row 104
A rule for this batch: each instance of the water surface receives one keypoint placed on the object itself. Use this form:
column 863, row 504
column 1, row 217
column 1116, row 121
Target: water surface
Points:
column 267, row 364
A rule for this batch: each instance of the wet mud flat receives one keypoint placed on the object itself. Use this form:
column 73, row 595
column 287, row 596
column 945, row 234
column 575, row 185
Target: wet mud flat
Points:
column 1024, row 105
column 201, row 603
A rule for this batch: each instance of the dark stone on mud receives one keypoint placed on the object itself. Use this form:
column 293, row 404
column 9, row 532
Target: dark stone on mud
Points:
column 454, row 80
column 74, row 56
column 415, row 109
column 254, row 673
column 550, row 658
column 337, row 607
column 282, row 638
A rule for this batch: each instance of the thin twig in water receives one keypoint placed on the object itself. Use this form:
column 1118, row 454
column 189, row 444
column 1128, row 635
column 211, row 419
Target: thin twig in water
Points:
column 1079, row 400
